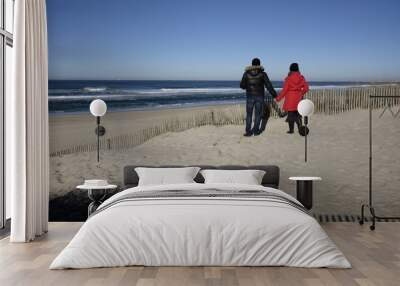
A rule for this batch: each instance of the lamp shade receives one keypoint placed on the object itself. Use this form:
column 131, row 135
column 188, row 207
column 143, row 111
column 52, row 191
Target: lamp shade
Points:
column 305, row 107
column 98, row 107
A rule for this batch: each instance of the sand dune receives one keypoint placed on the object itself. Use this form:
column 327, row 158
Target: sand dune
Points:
column 70, row 130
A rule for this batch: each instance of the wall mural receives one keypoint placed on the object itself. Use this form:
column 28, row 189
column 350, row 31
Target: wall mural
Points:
column 200, row 122
column 185, row 123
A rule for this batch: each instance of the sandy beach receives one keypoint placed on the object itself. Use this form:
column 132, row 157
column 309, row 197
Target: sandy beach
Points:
column 338, row 152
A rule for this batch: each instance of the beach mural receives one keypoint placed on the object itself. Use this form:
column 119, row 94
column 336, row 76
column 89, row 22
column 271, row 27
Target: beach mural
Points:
column 161, row 111
column 202, row 122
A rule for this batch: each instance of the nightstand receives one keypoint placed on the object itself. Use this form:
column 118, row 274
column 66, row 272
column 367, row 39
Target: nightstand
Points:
column 304, row 190
column 96, row 194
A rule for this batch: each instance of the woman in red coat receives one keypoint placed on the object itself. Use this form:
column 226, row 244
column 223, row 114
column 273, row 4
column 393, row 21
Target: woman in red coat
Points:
column 293, row 90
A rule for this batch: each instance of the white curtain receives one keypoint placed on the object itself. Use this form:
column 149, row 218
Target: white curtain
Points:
column 27, row 144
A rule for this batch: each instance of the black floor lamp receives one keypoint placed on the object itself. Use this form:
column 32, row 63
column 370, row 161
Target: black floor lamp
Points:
column 306, row 109
column 98, row 108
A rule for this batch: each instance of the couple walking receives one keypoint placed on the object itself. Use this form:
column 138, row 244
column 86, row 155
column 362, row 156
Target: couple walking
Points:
column 254, row 81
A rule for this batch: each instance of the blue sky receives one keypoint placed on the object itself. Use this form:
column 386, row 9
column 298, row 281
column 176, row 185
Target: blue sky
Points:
column 168, row 39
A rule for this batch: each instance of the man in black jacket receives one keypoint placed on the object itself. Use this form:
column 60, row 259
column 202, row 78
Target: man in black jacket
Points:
column 254, row 81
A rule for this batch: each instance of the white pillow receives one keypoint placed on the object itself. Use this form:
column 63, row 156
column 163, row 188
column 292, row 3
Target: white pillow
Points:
column 165, row 176
column 248, row 177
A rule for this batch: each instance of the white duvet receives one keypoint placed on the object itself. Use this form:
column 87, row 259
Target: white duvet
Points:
column 200, row 231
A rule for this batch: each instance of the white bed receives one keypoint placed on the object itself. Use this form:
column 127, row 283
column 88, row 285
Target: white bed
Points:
column 202, row 231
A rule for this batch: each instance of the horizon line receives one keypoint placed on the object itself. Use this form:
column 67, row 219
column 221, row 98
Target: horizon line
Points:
column 237, row 80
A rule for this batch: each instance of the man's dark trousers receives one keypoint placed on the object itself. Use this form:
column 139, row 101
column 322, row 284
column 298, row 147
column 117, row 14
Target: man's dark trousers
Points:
column 256, row 103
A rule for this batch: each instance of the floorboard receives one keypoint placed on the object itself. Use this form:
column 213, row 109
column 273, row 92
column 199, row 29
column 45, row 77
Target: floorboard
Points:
column 375, row 257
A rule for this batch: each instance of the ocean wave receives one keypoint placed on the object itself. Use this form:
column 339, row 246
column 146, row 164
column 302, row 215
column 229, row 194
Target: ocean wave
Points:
column 116, row 94
column 133, row 97
column 201, row 90
column 94, row 89
column 126, row 94
column 185, row 91
column 88, row 97
column 333, row 86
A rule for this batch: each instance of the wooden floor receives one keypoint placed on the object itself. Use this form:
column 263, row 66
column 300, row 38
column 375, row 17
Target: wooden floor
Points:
column 375, row 257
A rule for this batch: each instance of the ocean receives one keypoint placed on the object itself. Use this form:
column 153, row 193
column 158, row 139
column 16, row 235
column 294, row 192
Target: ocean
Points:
column 74, row 96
